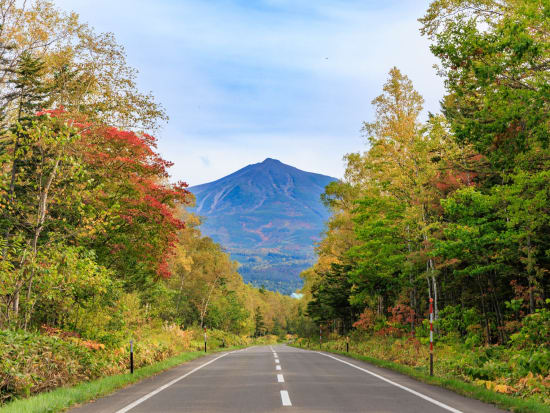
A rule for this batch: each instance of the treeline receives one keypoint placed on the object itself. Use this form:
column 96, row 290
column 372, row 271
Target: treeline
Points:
column 456, row 207
column 93, row 235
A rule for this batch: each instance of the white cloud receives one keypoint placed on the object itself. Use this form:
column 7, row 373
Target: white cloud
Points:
column 243, row 80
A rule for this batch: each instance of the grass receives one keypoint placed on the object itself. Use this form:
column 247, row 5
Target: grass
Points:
column 504, row 401
column 64, row 397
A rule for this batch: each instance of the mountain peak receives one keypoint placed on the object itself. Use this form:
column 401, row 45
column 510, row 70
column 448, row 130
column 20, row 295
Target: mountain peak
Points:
column 268, row 161
column 268, row 215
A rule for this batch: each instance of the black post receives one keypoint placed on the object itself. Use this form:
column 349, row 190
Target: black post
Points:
column 431, row 364
column 131, row 356
column 347, row 344
column 205, row 339
column 320, row 338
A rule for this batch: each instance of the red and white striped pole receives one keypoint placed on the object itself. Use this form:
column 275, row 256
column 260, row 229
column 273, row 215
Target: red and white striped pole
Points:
column 431, row 337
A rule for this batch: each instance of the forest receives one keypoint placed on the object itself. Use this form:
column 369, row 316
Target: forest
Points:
column 451, row 206
column 97, row 244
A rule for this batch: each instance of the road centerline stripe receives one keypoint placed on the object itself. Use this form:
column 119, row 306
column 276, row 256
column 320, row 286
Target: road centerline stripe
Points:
column 422, row 396
column 277, row 367
column 277, row 361
column 285, row 399
column 161, row 388
column 280, row 378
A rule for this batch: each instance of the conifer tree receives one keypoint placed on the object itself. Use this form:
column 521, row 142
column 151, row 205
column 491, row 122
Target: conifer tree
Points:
column 259, row 323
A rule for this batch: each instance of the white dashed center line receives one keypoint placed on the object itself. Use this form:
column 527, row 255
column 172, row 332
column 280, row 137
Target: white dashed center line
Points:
column 277, row 361
column 277, row 367
column 285, row 399
column 280, row 378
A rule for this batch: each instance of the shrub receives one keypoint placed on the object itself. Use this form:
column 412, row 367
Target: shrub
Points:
column 535, row 331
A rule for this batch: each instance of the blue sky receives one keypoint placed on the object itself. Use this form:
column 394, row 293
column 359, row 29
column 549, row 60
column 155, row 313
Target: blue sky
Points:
column 246, row 80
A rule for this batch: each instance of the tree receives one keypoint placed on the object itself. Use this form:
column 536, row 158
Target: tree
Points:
column 132, row 208
column 494, row 58
column 85, row 72
column 34, row 202
column 259, row 329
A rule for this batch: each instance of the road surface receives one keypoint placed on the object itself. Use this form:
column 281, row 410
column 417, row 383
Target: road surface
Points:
column 282, row 379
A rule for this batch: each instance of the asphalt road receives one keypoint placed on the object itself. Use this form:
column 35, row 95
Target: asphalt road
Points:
column 282, row 379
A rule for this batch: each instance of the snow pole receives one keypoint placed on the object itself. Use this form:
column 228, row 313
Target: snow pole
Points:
column 431, row 337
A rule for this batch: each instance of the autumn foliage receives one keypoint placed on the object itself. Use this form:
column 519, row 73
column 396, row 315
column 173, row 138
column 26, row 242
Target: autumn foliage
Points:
column 131, row 197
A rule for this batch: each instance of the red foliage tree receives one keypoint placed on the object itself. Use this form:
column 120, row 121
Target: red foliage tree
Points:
column 132, row 209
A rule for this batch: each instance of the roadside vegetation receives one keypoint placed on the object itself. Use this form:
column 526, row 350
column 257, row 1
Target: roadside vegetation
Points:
column 40, row 362
column 61, row 398
column 97, row 244
column 453, row 207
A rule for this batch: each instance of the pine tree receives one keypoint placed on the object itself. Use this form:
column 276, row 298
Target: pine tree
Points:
column 30, row 87
column 259, row 322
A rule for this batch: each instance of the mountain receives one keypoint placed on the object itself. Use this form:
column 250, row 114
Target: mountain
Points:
column 268, row 215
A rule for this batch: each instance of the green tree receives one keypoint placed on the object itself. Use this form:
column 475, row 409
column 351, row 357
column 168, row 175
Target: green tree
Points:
column 33, row 205
column 259, row 325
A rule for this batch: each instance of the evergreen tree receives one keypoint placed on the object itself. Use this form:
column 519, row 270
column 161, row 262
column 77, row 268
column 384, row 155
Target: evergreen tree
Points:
column 259, row 323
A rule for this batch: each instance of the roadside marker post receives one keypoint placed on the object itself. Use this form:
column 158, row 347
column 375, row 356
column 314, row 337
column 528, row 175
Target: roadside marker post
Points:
column 205, row 339
column 431, row 337
column 320, row 338
column 347, row 344
column 131, row 356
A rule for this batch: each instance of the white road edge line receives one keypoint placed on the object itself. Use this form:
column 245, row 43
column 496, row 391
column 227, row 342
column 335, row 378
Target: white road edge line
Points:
column 422, row 396
column 280, row 378
column 277, row 367
column 161, row 388
column 285, row 399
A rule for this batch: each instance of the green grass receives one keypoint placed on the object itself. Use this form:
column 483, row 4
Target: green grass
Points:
column 504, row 401
column 62, row 398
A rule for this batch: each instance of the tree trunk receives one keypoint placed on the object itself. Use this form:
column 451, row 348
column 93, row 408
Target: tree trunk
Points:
column 39, row 226
column 500, row 321
column 206, row 301
column 11, row 190
column 485, row 316
column 412, row 292
column 530, row 276
column 436, row 307
column 180, row 295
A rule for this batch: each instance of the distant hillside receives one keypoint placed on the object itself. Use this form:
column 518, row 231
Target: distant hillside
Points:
column 268, row 216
